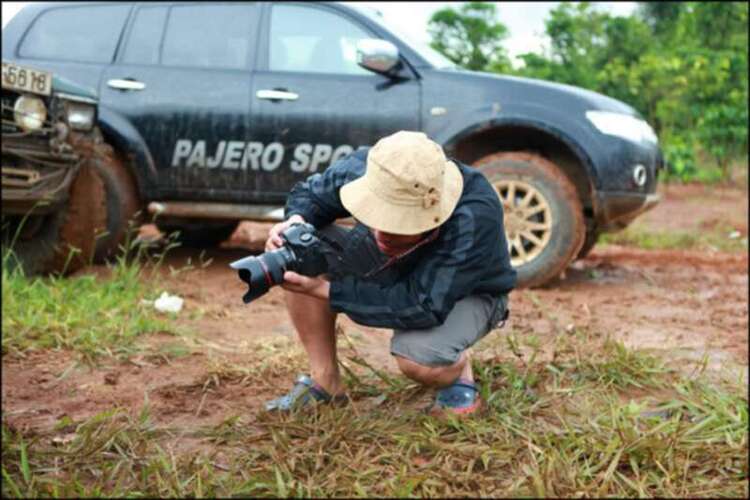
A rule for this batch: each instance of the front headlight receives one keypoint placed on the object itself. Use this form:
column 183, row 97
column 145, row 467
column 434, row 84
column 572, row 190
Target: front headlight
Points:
column 80, row 116
column 29, row 112
column 620, row 125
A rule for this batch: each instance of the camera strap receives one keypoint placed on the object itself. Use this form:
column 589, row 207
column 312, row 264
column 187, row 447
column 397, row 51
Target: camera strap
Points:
column 333, row 248
column 428, row 239
column 328, row 241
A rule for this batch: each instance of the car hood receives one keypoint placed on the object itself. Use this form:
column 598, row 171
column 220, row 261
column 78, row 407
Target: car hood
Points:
column 539, row 91
column 65, row 86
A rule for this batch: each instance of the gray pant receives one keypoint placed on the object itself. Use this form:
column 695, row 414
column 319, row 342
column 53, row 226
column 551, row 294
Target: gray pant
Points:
column 470, row 320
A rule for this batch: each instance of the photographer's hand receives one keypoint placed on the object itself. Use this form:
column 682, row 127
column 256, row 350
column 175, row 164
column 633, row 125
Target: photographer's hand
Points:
column 274, row 240
column 315, row 287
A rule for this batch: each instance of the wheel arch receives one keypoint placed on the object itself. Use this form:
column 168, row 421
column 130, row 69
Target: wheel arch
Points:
column 132, row 149
column 494, row 136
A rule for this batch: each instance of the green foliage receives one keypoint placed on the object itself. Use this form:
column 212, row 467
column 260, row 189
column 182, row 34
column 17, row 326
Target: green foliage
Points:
column 682, row 65
column 90, row 315
column 661, row 16
column 682, row 163
column 717, row 238
column 470, row 36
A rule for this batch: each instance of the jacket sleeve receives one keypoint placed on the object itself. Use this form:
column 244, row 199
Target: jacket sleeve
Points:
column 427, row 295
column 317, row 199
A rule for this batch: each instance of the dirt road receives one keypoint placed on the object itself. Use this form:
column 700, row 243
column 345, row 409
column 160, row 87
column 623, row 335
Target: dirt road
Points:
column 683, row 304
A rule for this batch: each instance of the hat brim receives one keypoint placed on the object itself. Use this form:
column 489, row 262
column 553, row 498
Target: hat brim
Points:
column 375, row 212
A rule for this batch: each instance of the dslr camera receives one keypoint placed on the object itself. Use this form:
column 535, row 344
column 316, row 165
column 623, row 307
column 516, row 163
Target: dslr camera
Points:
column 302, row 252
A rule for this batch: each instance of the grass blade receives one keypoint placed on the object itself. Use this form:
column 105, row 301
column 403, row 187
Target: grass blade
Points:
column 9, row 481
column 25, row 464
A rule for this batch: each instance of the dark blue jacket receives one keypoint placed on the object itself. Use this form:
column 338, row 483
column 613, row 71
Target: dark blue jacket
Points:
column 469, row 256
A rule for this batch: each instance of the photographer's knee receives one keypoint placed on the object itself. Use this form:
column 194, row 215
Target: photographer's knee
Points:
column 306, row 304
column 429, row 375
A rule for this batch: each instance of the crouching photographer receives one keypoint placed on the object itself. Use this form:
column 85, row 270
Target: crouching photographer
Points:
column 427, row 258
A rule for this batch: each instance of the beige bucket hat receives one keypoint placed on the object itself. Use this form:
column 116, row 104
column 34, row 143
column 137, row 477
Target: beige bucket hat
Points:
column 409, row 187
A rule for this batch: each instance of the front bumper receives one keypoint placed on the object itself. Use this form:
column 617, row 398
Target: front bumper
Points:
column 35, row 178
column 42, row 197
column 620, row 197
column 618, row 209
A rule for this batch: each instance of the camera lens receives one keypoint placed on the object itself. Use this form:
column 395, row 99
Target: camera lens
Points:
column 262, row 272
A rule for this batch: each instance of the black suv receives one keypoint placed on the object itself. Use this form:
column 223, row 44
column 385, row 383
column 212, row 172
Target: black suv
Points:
column 214, row 110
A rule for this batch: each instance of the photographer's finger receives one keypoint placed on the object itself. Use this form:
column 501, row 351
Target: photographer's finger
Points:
column 273, row 242
column 295, row 279
column 291, row 287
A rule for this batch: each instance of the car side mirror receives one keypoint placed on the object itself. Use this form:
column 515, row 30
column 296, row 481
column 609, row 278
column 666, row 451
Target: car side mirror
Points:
column 379, row 56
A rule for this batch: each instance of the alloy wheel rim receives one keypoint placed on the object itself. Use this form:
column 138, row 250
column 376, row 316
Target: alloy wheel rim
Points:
column 527, row 218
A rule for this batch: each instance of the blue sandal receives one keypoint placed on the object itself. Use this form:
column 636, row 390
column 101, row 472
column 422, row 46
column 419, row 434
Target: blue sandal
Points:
column 304, row 393
column 459, row 398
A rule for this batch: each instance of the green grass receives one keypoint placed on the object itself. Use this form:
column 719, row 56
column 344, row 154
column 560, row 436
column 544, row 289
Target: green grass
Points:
column 590, row 418
column 708, row 173
column 714, row 239
column 594, row 419
column 91, row 315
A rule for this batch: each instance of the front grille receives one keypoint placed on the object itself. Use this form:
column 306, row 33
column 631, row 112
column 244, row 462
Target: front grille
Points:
column 8, row 100
column 32, row 144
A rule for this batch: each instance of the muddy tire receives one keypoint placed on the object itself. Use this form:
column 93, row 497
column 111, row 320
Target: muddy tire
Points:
column 65, row 240
column 588, row 244
column 122, row 201
column 199, row 234
column 543, row 217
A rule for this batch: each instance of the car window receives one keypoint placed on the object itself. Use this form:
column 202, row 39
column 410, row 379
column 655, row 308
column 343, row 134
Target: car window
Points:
column 84, row 34
column 145, row 36
column 313, row 40
column 208, row 36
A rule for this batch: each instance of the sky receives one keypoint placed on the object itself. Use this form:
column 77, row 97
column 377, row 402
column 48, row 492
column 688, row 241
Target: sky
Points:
column 524, row 20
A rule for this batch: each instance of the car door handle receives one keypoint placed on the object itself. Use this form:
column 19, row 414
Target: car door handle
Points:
column 281, row 95
column 126, row 84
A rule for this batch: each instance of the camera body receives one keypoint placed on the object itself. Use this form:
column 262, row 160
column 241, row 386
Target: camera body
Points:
column 302, row 252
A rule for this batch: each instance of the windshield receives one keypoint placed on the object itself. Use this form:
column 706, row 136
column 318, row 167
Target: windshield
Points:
column 431, row 55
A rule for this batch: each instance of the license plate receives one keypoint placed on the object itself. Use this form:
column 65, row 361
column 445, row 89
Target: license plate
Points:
column 22, row 79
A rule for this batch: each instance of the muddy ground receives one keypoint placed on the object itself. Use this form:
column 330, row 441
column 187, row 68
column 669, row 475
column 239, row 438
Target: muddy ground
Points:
column 682, row 304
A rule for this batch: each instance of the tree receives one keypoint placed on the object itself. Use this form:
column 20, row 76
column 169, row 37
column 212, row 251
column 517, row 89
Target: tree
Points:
column 711, row 39
column 719, row 26
column 682, row 65
column 577, row 34
column 471, row 36
column 661, row 16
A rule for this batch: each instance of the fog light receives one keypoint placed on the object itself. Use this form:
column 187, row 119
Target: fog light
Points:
column 80, row 116
column 639, row 175
column 29, row 112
